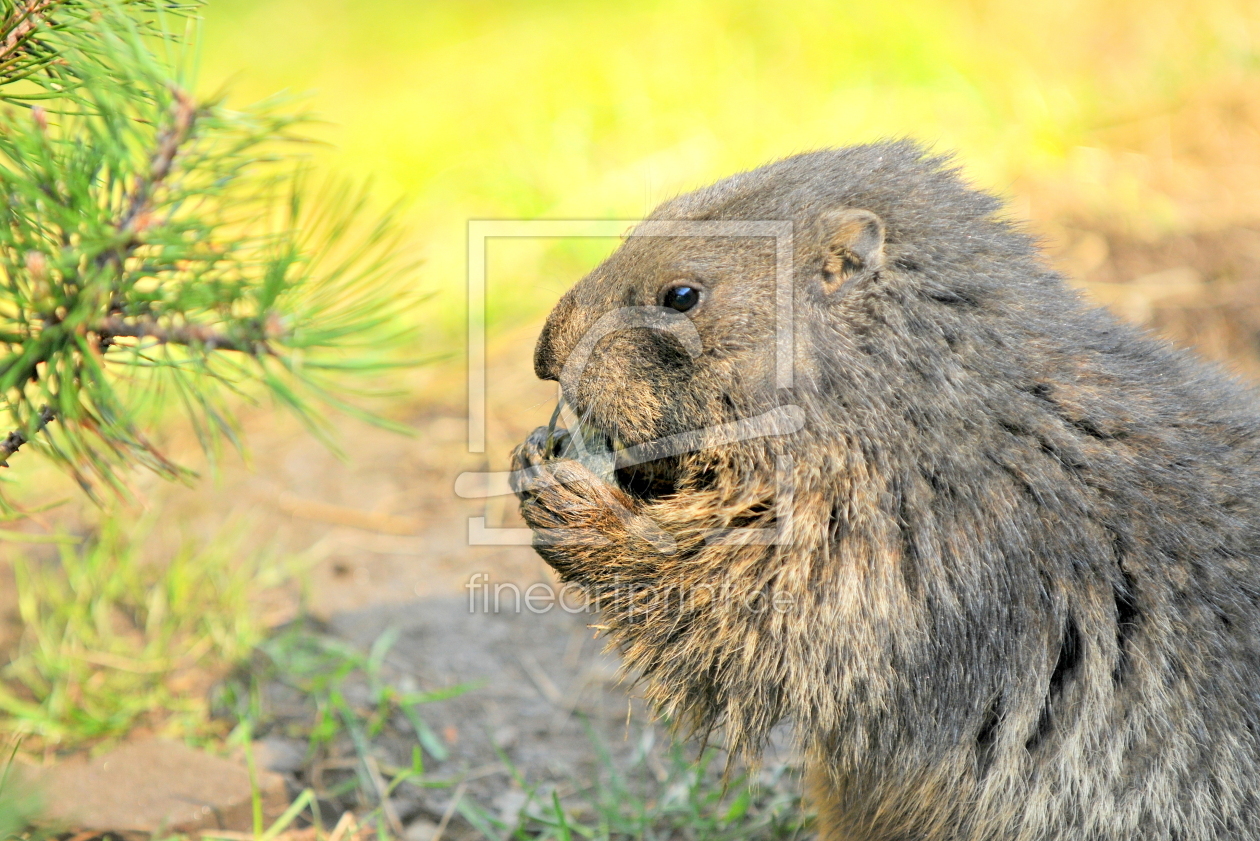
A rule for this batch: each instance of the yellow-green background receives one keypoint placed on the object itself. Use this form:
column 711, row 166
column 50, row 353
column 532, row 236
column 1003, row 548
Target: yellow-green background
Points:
column 496, row 109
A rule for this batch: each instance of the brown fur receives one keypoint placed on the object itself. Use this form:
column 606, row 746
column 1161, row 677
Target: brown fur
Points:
column 1015, row 591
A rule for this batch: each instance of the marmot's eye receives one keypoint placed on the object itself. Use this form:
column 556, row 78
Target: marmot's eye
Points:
column 681, row 297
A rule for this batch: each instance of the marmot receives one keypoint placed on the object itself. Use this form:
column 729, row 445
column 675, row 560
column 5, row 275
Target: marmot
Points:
column 1015, row 589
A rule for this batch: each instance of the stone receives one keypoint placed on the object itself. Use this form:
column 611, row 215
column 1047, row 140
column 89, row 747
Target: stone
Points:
column 510, row 803
column 156, row 786
column 276, row 753
column 420, row 829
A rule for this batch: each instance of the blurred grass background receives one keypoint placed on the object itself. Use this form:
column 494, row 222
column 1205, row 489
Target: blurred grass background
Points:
column 1143, row 114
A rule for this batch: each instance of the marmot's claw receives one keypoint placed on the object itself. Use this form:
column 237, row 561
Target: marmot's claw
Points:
column 543, row 444
column 535, row 446
column 527, row 460
column 532, row 470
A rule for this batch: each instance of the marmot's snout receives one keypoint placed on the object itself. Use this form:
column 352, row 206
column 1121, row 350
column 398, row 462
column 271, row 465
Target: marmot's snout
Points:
column 547, row 363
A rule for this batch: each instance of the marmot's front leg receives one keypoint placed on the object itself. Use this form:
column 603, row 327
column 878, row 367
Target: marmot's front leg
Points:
column 576, row 516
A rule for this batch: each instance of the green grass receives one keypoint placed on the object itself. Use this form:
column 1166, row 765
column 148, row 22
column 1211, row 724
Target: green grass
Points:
column 18, row 805
column 318, row 668
column 347, row 706
column 113, row 640
column 341, row 694
column 684, row 797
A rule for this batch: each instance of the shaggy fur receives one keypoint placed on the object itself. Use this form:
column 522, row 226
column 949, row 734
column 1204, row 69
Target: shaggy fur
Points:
column 1015, row 591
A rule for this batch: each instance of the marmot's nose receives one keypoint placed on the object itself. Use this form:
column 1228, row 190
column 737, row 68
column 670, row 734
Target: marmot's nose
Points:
column 552, row 350
column 546, row 365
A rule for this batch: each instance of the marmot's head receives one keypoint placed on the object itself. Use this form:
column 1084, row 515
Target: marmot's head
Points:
column 727, row 294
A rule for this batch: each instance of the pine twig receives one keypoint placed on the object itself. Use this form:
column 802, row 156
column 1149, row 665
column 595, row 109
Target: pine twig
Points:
column 169, row 142
column 136, row 217
column 17, row 27
column 190, row 335
column 15, row 439
column 21, row 22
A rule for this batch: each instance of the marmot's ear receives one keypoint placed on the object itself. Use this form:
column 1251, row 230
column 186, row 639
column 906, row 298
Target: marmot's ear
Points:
column 854, row 244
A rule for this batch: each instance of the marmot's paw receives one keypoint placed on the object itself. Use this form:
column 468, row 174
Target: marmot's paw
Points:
column 557, row 493
column 528, row 461
column 571, row 508
column 542, row 445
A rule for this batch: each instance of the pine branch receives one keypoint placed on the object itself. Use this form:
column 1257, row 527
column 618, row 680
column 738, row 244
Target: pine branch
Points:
column 15, row 439
column 136, row 216
column 169, row 142
column 153, row 245
column 23, row 53
column 191, row 335
column 18, row 25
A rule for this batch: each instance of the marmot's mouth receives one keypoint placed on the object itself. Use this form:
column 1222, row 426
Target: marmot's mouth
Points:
column 649, row 480
column 633, row 469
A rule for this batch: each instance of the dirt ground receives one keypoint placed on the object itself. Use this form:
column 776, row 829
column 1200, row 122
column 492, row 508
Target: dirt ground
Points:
column 544, row 712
